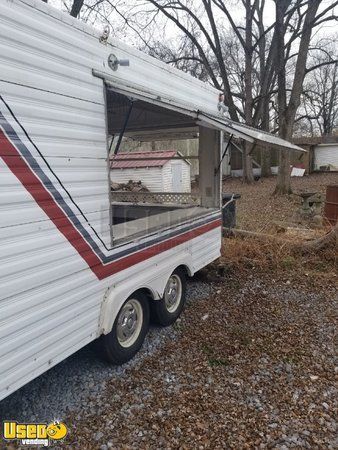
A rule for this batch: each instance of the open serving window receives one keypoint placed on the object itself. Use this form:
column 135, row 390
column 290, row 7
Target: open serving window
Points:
column 152, row 187
column 154, row 184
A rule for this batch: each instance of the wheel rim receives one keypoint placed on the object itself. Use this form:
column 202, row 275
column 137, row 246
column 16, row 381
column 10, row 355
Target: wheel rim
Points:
column 173, row 293
column 129, row 323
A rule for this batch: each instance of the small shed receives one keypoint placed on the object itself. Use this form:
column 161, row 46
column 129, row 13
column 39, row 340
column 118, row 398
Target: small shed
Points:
column 326, row 156
column 322, row 152
column 159, row 171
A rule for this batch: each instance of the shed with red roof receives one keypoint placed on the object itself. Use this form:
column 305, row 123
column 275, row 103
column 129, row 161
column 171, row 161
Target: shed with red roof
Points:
column 159, row 171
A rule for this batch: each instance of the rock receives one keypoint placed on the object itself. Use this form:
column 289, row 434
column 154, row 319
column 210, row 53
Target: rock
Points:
column 288, row 368
column 115, row 186
column 99, row 435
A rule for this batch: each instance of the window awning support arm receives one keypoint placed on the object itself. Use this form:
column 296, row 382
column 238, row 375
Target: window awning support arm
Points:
column 124, row 127
column 224, row 153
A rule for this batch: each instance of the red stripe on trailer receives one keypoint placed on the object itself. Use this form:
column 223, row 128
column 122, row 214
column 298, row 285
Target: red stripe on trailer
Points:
column 45, row 200
column 47, row 203
column 142, row 255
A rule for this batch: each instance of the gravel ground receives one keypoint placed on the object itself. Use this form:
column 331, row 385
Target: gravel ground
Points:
column 67, row 386
column 252, row 366
column 257, row 210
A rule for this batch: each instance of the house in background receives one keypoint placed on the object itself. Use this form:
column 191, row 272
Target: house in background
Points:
column 322, row 152
column 326, row 156
column 322, row 155
column 165, row 174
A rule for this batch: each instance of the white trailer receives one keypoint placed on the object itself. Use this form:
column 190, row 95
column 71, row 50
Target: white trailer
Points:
column 69, row 274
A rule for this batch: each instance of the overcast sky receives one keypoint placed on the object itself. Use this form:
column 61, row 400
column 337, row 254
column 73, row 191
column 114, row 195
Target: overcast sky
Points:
column 167, row 30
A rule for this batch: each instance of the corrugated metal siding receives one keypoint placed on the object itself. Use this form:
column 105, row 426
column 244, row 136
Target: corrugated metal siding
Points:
column 146, row 73
column 186, row 179
column 167, row 176
column 50, row 300
column 326, row 155
column 151, row 177
column 206, row 249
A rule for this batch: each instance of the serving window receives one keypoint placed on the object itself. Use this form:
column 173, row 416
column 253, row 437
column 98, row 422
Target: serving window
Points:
column 164, row 167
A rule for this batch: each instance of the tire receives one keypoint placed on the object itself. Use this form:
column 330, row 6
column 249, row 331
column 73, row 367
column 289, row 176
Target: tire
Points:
column 128, row 332
column 166, row 311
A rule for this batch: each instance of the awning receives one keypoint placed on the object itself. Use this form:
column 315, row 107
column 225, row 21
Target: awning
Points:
column 245, row 132
column 198, row 117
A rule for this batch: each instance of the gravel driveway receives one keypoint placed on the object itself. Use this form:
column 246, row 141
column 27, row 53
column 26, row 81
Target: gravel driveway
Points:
column 68, row 386
column 251, row 364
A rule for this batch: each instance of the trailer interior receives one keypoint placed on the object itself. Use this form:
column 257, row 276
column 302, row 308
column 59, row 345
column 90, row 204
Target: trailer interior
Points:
column 134, row 123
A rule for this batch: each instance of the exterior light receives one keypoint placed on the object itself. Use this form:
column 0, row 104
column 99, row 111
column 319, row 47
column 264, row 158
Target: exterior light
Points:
column 114, row 62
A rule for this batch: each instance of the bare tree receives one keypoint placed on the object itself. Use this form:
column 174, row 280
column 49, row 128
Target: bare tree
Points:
column 320, row 95
column 306, row 19
column 73, row 7
column 268, row 54
column 270, row 59
column 76, row 7
column 199, row 23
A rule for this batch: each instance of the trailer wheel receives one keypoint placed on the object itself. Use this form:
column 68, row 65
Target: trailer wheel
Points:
column 129, row 330
column 168, row 309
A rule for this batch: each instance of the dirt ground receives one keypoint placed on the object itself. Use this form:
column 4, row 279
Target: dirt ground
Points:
column 258, row 209
column 251, row 366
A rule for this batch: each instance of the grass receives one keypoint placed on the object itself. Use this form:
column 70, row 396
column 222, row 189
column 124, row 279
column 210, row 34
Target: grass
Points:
column 217, row 362
column 213, row 360
column 259, row 211
column 243, row 255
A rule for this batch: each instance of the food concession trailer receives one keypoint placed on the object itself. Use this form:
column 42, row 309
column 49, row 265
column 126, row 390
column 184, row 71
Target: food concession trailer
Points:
column 71, row 269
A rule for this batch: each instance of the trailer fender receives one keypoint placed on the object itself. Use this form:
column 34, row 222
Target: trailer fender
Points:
column 116, row 295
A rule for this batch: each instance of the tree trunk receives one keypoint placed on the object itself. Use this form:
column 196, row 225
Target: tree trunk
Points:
column 265, row 152
column 265, row 162
column 248, row 176
column 283, row 179
column 248, row 108
column 76, row 7
column 331, row 238
column 287, row 113
column 283, row 185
